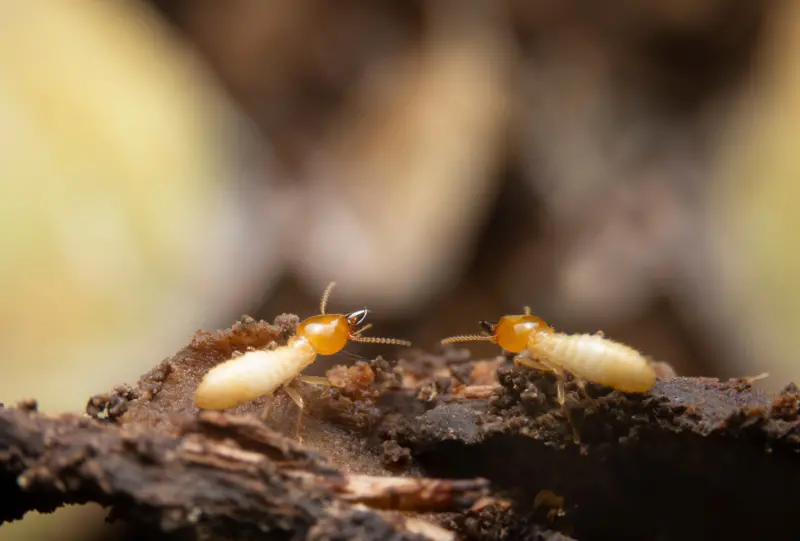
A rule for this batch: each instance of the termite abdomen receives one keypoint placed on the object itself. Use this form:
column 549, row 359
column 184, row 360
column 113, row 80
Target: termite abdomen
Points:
column 254, row 374
column 597, row 359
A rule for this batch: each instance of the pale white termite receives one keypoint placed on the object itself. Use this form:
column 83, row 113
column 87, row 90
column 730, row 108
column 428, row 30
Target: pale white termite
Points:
column 262, row 372
column 590, row 357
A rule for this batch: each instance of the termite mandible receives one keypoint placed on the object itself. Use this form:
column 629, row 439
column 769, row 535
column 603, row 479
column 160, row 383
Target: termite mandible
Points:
column 262, row 372
column 590, row 357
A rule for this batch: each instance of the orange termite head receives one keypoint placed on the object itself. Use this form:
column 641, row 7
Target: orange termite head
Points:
column 511, row 332
column 329, row 333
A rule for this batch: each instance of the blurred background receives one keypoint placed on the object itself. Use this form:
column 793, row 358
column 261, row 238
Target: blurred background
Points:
column 167, row 166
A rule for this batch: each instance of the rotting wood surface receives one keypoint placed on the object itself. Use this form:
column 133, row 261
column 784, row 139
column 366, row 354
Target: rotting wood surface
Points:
column 425, row 448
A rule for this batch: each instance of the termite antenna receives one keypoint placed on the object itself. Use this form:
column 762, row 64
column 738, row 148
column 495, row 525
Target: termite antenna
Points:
column 376, row 340
column 327, row 293
column 468, row 338
column 751, row 379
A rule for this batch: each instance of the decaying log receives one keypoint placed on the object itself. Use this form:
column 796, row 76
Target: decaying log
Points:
column 426, row 447
column 695, row 458
column 222, row 475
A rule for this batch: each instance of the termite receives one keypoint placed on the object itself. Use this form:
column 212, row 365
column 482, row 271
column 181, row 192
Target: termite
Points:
column 262, row 372
column 589, row 357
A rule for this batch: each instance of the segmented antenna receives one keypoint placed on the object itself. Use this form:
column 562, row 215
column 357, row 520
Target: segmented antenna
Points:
column 468, row 338
column 325, row 295
column 376, row 340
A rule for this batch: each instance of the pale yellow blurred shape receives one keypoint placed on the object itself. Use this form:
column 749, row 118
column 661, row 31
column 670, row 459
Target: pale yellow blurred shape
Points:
column 110, row 158
column 757, row 212
column 64, row 524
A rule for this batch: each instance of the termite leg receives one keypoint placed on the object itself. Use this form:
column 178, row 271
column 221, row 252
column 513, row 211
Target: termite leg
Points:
column 267, row 405
column 561, row 378
column 561, row 397
column 561, row 387
column 295, row 396
column 582, row 386
column 525, row 360
column 541, row 364
column 561, row 390
column 314, row 380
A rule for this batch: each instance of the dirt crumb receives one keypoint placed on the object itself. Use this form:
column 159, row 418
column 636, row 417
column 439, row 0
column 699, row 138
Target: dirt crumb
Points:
column 394, row 456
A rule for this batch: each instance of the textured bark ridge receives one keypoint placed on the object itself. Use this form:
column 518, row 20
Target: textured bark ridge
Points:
column 427, row 447
column 227, row 476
